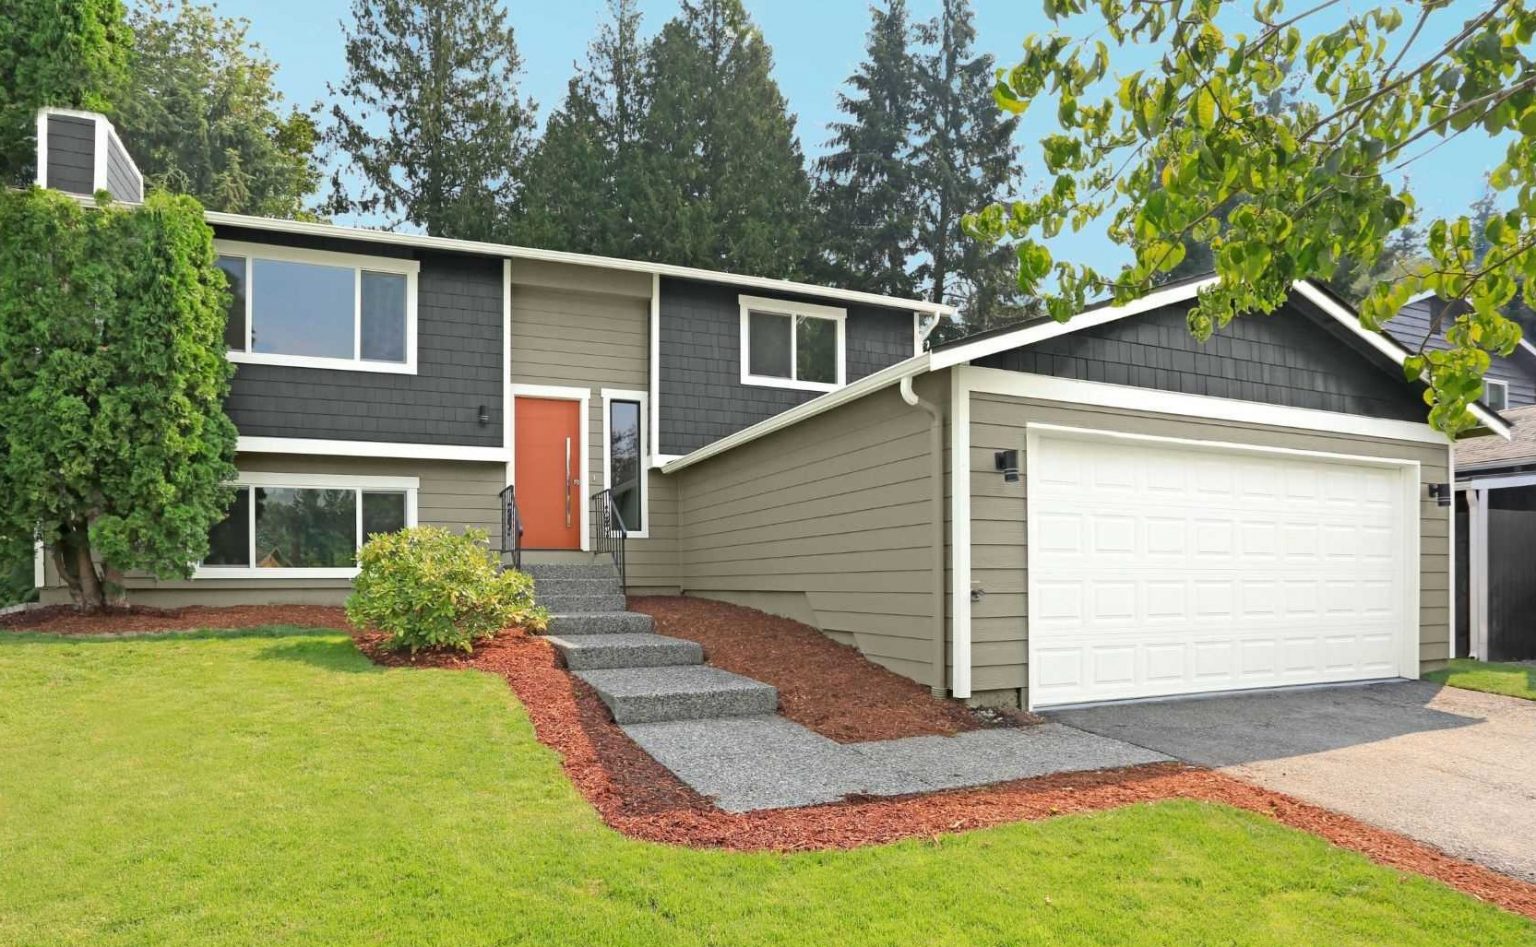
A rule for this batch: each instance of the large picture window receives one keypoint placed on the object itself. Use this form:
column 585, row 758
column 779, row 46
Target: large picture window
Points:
column 792, row 345
column 625, row 458
column 307, row 525
column 321, row 310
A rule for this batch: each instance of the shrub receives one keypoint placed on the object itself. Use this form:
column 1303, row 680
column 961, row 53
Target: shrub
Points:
column 429, row 587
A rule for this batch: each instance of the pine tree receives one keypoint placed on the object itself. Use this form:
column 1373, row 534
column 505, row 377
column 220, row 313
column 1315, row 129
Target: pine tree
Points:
column 964, row 160
column 203, row 116
column 866, row 194
column 579, row 184
column 722, row 180
column 435, row 129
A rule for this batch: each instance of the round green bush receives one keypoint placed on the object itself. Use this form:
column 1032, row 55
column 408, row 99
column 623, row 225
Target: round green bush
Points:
column 429, row 587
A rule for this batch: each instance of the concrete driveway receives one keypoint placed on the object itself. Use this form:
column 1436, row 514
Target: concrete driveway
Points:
column 1453, row 768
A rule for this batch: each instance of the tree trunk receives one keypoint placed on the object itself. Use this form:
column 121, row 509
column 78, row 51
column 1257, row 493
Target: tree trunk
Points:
column 77, row 567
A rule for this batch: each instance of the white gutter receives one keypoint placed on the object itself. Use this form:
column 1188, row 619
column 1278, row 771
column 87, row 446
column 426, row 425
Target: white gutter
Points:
column 916, row 365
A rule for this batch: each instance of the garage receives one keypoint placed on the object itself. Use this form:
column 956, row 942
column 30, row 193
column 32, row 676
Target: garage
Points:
column 1160, row 567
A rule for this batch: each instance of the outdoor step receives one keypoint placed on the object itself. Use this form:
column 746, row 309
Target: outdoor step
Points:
column 570, row 570
column 567, row 603
column 599, row 623
column 699, row 692
column 594, row 652
column 597, row 585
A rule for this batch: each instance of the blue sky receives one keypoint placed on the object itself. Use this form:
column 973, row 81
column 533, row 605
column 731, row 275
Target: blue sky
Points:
column 816, row 43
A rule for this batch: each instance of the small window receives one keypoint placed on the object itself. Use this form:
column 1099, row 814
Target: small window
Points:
column 320, row 310
column 792, row 345
column 314, row 524
column 1496, row 394
column 626, row 462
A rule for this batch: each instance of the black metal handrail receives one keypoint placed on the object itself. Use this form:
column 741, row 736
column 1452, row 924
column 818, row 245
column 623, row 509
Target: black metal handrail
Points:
column 609, row 532
column 511, row 528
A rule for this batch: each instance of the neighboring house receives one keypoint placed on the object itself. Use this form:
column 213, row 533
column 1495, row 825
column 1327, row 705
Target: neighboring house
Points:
column 1495, row 500
column 1040, row 515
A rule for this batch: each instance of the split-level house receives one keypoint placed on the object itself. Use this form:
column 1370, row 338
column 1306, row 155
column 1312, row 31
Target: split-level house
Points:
column 1042, row 515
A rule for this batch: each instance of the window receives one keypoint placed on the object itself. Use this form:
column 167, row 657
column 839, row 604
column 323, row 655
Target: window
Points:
column 309, row 525
column 792, row 345
column 320, row 310
column 624, row 457
column 1496, row 394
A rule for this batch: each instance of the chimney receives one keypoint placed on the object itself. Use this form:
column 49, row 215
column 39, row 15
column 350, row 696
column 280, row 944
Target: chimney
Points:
column 80, row 153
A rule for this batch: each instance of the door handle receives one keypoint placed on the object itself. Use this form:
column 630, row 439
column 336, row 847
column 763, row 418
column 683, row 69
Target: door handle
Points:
column 567, row 483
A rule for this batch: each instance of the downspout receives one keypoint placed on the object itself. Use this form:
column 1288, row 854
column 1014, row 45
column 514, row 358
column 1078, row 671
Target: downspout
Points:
column 936, row 502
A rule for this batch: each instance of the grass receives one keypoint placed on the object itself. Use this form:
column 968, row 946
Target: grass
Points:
column 1512, row 680
column 277, row 788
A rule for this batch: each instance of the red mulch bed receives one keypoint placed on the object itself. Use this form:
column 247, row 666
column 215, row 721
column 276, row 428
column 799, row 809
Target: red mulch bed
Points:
column 637, row 796
column 64, row 620
column 825, row 686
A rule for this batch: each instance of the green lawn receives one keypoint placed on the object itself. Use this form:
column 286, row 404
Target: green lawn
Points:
column 277, row 788
column 1512, row 680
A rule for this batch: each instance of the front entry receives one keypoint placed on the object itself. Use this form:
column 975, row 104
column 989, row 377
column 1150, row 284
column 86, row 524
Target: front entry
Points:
column 548, row 466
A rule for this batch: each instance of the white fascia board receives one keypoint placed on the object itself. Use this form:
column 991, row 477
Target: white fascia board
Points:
column 1351, row 321
column 1497, row 481
column 1207, row 407
column 884, row 378
column 1028, row 335
column 574, row 259
column 379, row 449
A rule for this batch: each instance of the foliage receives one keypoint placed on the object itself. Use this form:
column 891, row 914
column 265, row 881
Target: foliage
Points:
column 202, row 115
column 65, row 53
column 16, row 578
column 430, row 587
column 117, row 448
column 581, row 181
column 866, row 189
column 286, row 790
column 722, row 182
column 432, row 122
column 1161, row 153
column 963, row 159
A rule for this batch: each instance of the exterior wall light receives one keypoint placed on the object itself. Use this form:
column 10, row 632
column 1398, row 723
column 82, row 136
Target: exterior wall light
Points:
column 1441, row 493
column 485, row 415
column 1008, row 463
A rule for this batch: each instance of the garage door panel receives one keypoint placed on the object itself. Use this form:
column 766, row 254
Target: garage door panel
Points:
column 1165, row 570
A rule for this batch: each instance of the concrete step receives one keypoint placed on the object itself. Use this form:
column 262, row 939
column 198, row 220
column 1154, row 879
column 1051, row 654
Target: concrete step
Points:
column 699, row 692
column 599, row 623
column 571, row 570
column 597, row 585
column 566, row 603
column 594, row 652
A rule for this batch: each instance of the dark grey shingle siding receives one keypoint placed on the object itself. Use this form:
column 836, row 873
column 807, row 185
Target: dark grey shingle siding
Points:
column 121, row 180
column 702, row 397
column 1289, row 358
column 458, row 363
column 71, row 154
column 1411, row 326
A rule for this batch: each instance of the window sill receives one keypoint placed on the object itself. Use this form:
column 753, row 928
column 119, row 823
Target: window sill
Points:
column 765, row 381
column 243, row 572
column 314, row 361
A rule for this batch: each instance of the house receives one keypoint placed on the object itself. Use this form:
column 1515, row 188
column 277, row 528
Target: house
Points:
column 1042, row 515
column 1495, row 502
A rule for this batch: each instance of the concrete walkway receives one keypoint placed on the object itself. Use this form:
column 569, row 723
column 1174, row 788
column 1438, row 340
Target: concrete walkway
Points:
column 1450, row 767
column 769, row 762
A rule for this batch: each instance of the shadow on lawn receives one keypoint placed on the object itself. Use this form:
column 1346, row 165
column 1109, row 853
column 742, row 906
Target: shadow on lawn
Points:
column 26, row 637
column 328, row 654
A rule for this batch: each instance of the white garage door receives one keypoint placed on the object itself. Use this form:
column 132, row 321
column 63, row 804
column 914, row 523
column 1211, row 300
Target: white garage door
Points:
column 1160, row 569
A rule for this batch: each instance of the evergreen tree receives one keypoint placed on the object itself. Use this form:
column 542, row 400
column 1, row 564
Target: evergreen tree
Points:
column 65, row 53
column 202, row 115
column 579, row 186
column 964, row 159
column 866, row 194
column 722, row 181
column 433, row 125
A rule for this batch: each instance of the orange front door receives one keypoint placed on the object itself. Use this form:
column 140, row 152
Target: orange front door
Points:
column 548, row 472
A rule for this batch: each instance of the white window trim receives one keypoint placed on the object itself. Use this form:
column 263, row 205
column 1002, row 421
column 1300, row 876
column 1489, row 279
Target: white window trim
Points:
column 410, row 269
column 1488, row 385
column 556, row 393
column 611, row 395
column 779, row 307
column 410, row 486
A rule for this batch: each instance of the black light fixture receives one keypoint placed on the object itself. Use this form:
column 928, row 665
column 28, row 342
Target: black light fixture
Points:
column 485, row 415
column 1008, row 463
column 1441, row 493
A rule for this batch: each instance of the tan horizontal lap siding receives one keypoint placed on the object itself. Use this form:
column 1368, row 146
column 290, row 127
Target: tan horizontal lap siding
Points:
column 998, row 553
column 828, row 520
column 569, row 337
